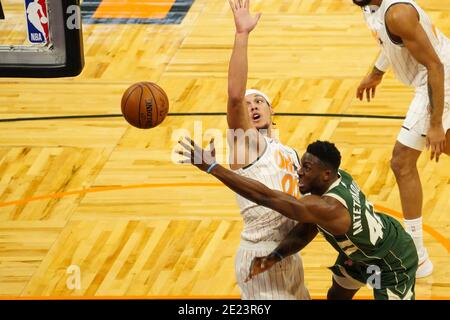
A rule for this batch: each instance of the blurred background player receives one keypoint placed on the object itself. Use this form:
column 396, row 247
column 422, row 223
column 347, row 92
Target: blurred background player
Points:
column 420, row 57
column 265, row 159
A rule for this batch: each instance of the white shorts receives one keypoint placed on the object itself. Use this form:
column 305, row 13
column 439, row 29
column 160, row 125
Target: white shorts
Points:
column 347, row 282
column 284, row 281
column 415, row 127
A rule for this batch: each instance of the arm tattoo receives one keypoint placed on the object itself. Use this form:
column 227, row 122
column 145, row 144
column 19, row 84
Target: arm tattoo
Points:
column 430, row 96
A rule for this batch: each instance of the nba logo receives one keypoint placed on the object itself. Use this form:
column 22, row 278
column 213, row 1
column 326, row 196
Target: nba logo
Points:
column 37, row 20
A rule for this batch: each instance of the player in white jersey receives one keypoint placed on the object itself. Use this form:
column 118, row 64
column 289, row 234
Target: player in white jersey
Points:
column 265, row 159
column 419, row 55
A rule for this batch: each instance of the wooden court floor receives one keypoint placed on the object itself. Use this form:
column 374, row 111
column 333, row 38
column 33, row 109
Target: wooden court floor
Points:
column 97, row 198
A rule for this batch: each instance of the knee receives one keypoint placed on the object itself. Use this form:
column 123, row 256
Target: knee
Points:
column 397, row 165
column 401, row 165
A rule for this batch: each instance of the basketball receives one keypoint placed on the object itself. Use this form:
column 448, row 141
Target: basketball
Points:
column 145, row 105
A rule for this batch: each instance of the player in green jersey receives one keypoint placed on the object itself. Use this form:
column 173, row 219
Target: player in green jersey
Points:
column 373, row 248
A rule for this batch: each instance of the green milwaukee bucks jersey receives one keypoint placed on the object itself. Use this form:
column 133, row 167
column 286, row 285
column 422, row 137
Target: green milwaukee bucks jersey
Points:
column 371, row 234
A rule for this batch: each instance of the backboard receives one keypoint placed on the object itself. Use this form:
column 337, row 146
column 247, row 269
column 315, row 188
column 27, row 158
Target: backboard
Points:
column 40, row 38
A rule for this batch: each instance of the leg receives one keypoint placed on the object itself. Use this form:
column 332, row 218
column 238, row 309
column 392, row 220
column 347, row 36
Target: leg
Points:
column 404, row 166
column 399, row 270
column 336, row 292
column 347, row 279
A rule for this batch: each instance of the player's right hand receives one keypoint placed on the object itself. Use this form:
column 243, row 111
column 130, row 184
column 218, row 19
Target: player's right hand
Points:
column 368, row 85
column 435, row 141
column 261, row 264
column 244, row 22
column 197, row 156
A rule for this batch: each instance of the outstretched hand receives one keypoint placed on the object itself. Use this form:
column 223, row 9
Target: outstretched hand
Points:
column 197, row 156
column 244, row 22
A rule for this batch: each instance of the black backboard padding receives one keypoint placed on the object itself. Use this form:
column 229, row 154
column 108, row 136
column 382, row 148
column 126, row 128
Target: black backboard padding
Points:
column 74, row 56
column 2, row 14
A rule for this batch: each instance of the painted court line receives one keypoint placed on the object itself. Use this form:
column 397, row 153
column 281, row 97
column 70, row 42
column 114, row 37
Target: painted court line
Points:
column 435, row 234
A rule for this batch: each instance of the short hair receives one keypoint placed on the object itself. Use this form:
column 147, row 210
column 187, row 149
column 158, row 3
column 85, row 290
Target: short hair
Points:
column 326, row 152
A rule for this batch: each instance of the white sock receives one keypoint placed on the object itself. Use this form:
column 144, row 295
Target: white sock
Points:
column 414, row 228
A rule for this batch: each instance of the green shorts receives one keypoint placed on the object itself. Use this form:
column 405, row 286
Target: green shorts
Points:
column 392, row 278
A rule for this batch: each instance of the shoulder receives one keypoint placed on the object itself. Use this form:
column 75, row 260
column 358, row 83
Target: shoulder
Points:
column 323, row 205
column 339, row 191
column 401, row 17
column 289, row 150
column 340, row 219
column 334, row 204
column 294, row 155
column 337, row 219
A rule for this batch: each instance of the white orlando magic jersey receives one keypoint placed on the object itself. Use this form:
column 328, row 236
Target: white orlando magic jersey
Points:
column 405, row 66
column 277, row 169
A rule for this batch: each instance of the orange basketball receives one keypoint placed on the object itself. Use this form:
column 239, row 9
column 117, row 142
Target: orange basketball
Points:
column 145, row 105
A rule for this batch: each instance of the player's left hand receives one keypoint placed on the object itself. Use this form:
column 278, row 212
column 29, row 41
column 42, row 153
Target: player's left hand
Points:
column 261, row 264
column 197, row 156
column 436, row 141
column 243, row 20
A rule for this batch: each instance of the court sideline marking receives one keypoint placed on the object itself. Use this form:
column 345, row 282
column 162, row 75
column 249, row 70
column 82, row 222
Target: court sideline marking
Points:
column 435, row 234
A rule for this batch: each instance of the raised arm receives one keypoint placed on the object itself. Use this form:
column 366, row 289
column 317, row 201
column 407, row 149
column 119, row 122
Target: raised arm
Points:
column 403, row 21
column 237, row 113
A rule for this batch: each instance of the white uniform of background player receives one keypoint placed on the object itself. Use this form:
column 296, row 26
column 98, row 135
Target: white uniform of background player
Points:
column 402, row 52
column 411, row 72
column 270, row 163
